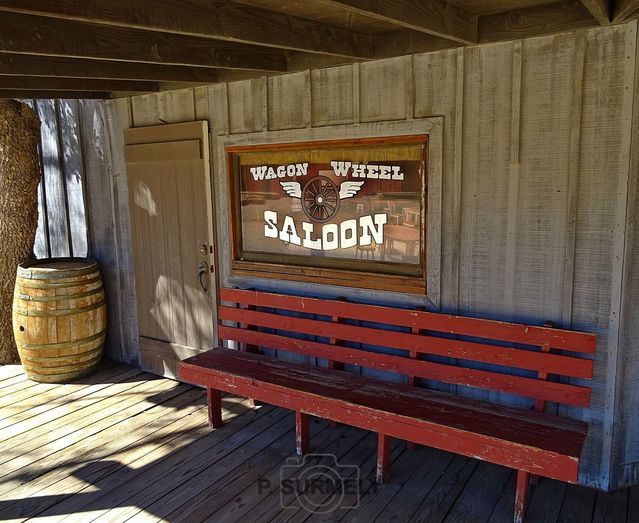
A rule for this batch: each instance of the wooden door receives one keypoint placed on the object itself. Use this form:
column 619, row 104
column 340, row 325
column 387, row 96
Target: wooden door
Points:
column 172, row 229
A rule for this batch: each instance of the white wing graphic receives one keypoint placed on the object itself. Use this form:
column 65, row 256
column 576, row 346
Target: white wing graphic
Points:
column 293, row 189
column 349, row 189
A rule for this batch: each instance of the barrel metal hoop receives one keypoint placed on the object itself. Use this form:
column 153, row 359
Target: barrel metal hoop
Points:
column 49, row 377
column 31, row 274
column 61, row 312
column 39, row 285
column 40, row 359
column 75, row 296
column 63, row 344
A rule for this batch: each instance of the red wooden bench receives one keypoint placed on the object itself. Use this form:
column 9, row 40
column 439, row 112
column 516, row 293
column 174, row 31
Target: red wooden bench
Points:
column 532, row 361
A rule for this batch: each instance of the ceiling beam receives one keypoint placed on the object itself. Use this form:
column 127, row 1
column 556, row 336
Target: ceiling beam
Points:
column 206, row 19
column 401, row 42
column 534, row 21
column 66, row 95
column 74, row 84
column 434, row 17
column 51, row 66
column 599, row 9
column 38, row 35
column 624, row 9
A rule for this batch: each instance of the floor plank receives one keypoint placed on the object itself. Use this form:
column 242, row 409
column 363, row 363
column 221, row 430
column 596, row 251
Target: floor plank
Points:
column 477, row 501
column 404, row 472
column 443, row 495
column 505, row 508
column 611, row 506
column 26, row 460
column 405, row 503
column 10, row 370
column 105, row 480
column 578, row 504
column 220, row 493
column 245, row 461
column 144, row 490
column 54, row 404
column 266, row 490
column 270, row 505
column 545, row 501
column 633, row 505
column 132, row 433
column 346, row 500
column 124, row 445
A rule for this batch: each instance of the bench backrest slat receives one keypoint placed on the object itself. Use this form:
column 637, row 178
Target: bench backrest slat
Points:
column 473, row 327
column 472, row 351
column 517, row 385
column 414, row 340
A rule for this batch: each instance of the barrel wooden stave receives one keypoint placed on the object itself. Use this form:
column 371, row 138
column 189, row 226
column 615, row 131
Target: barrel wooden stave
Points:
column 59, row 318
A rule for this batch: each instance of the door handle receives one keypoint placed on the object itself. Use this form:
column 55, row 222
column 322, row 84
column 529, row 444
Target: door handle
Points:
column 202, row 269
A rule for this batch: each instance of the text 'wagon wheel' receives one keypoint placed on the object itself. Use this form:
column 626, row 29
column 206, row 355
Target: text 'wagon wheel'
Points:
column 320, row 199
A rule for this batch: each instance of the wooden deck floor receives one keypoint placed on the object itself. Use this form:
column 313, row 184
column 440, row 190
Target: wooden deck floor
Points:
column 123, row 444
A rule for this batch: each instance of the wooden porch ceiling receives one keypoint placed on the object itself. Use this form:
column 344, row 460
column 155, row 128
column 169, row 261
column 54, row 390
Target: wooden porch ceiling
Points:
column 90, row 48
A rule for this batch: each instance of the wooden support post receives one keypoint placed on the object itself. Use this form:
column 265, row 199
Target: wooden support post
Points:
column 412, row 380
column 331, row 363
column 254, row 349
column 521, row 497
column 246, row 347
column 301, row 433
column 383, row 458
column 214, row 398
column 540, row 405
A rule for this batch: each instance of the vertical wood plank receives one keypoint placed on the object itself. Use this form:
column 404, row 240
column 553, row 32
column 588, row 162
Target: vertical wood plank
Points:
column 384, row 89
column 73, row 172
column 218, row 105
column 145, row 110
column 456, row 189
column 600, row 231
column 289, row 100
column 513, row 179
column 622, row 248
column 53, row 179
column 201, row 103
column 628, row 473
column 486, row 167
column 245, row 106
column 573, row 177
column 356, row 90
column 332, row 100
column 107, row 198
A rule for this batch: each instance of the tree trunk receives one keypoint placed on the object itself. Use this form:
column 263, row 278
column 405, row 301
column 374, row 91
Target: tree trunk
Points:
column 19, row 179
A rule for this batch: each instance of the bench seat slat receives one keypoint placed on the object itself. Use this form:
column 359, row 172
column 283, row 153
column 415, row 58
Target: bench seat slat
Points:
column 537, row 442
column 495, row 330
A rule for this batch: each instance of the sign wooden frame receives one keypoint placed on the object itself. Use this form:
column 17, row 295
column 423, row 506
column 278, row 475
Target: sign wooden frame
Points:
column 348, row 283
column 366, row 273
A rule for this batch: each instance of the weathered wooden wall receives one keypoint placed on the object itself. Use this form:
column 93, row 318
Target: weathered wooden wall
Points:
column 537, row 174
column 78, row 183
column 62, row 220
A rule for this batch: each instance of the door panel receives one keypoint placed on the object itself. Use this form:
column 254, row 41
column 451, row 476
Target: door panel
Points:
column 172, row 232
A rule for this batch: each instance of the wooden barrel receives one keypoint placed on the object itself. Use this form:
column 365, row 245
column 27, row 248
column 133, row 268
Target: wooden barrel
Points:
column 59, row 318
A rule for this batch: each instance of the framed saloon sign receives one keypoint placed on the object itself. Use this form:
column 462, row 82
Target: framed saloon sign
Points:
column 347, row 212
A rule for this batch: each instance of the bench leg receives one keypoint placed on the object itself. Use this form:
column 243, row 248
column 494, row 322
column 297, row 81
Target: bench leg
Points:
column 521, row 496
column 383, row 458
column 214, row 398
column 301, row 433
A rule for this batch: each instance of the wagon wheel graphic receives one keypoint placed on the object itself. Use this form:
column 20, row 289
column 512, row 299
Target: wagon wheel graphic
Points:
column 320, row 199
